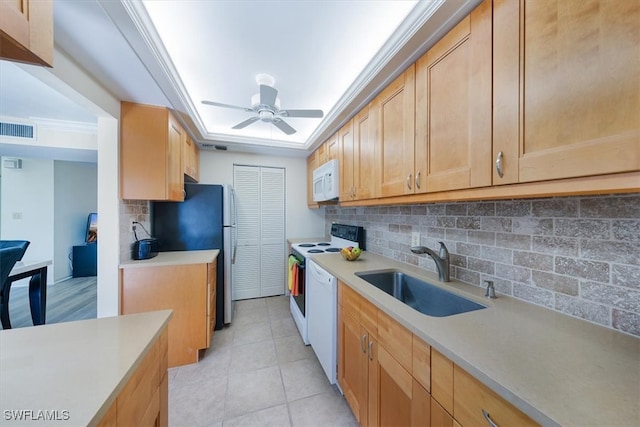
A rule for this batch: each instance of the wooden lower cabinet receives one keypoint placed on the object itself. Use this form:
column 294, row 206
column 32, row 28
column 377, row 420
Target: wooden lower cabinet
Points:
column 474, row 404
column 144, row 399
column 189, row 290
column 391, row 377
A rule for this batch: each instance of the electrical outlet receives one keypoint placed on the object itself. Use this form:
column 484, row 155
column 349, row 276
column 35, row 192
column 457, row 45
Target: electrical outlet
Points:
column 415, row 238
column 16, row 215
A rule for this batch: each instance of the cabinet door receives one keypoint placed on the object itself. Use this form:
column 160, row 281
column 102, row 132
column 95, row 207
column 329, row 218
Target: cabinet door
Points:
column 26, row 31
column 364, row 132
column 312, row 164
column 394, row 154
column 352, row 363
column 332, row 148
column 393, row 391
column 175, row 168
column 346, row 161
column 211, row 300
column 191, row 159
column 566, row 88
column 453, row 108
column 181, row 288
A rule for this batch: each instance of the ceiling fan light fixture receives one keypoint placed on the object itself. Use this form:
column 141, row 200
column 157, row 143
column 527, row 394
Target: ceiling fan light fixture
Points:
column 266, row 115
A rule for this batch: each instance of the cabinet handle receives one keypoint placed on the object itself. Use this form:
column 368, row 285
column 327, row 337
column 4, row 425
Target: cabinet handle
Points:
column 486, row 416
column 363, row 343
column 369, row 352
column 409, row 181
column 499, row 164
column 418, row 180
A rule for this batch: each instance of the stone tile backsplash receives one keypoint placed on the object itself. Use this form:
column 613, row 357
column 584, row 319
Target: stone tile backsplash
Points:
column 132, row 210
column 576, row 255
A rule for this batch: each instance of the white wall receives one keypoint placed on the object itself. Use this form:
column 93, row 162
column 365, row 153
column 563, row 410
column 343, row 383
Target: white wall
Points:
column 216, row 167
column 72, row 81
column 75, row 196
column 26, row 209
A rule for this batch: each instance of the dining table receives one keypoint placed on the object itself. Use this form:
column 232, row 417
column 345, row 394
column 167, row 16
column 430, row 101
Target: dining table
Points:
column 37, row 272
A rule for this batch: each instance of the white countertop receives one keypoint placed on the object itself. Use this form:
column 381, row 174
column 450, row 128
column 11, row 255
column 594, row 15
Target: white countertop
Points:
column 22, row 267
column 557, row 369
column 174, row 258
column 79, row 367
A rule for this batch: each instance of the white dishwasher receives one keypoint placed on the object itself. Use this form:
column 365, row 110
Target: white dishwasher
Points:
column 322, row 312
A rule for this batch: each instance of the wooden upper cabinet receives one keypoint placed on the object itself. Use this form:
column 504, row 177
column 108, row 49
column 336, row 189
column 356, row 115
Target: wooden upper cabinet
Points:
column 26, row 31
column 453, row 108
column 364, row 137
column 151, row 145
column 312, row 164
column 566, row 88
column 346, row 161
column 331, row 148
column 191, row 156
column 395, row 143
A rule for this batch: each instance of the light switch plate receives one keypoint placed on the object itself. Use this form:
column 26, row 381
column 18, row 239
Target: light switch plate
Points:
column 415, row 238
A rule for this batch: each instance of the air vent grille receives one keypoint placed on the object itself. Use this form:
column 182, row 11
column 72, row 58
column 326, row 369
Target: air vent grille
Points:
column 17, row 130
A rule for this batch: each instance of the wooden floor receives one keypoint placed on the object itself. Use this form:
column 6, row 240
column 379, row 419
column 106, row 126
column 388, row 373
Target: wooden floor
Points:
column 73, row 299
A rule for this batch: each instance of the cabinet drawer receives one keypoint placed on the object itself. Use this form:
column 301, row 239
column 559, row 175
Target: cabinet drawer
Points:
column 350, row 300
column 442, row 380
column 422, row 363
column 471, row 398
column 396, row 339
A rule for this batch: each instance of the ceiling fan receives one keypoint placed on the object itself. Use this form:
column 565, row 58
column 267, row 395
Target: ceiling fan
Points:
column 266, row 106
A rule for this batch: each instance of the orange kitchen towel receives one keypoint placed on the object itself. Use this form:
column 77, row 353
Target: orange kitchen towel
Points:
column 295, row 291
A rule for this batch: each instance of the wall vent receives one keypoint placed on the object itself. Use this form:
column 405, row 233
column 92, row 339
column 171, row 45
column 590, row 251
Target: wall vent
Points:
column 18, row 130
column 207, row 145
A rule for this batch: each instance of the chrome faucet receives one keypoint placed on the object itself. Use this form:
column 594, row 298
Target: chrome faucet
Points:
column 441, row 259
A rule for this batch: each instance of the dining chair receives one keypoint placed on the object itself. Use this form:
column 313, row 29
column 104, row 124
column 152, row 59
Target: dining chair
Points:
column 11, row 251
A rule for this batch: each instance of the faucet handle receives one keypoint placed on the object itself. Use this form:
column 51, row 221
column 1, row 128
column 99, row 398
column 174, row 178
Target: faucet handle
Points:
column 444, row 253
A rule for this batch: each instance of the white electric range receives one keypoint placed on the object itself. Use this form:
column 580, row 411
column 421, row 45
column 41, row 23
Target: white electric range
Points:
column 317, row 297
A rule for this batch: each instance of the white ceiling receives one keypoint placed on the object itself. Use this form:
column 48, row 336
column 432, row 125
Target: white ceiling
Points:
column 332, row 55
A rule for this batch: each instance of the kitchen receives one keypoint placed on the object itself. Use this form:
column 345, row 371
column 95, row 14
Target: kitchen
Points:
column 490, row 227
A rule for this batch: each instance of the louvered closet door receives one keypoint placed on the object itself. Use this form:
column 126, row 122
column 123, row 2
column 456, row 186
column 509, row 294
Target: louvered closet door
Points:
column 258, row 271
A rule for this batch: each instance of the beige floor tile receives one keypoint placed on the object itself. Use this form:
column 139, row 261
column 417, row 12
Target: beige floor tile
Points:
column 251, row 332
column 197, row 403
column 303, row 378
column 326, row 409
column 222, row 337
column 277, row 416
column 284, row 327
column 252, row 369
column 278, row 307
column 250, row 311
column 249, row 357
column 214, row 364
column 251, row 391
column 291, row 348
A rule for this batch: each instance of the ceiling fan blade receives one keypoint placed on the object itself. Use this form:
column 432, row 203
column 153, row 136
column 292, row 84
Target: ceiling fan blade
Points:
column 283, row 126
column 268, row 95
column 219, row 104
column 246, row 123
column 302, row 113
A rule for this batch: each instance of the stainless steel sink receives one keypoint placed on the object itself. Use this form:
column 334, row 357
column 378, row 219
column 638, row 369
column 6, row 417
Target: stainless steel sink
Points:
column 420, row 295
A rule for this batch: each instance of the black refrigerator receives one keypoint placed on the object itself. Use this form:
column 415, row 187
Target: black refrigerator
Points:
column 205, row 220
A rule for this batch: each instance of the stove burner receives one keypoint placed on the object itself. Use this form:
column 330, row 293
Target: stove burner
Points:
column 306, row 245
column 332, row 250
column 324, row 244
column 315, row 251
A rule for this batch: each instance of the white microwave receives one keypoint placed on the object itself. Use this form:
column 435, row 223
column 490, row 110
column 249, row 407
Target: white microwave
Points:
column 325, row 182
